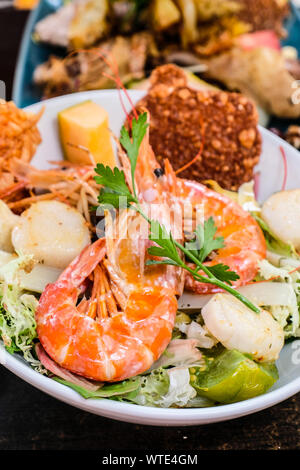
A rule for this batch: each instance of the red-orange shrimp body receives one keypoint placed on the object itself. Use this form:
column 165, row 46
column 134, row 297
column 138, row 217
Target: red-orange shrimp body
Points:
column 243, row 239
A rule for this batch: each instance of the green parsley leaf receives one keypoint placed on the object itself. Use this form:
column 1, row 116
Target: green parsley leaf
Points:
column 115, row 192
column 151, row 262
column 112, row 199
column 132, row 145
column 112, row 179
column 166, row 247
column 222, row 272
column 205, row 241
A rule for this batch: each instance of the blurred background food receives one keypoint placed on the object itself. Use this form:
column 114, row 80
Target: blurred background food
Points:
column 233, row 43
column 230, row 45
column 207, row 25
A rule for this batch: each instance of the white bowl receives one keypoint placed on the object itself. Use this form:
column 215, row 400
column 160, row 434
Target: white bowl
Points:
column 271, row 168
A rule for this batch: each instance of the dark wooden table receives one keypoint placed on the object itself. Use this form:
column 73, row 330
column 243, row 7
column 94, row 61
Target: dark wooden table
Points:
column 30, row 419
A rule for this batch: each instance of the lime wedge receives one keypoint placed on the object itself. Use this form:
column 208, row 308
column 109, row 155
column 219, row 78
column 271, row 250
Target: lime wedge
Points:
column 233, row 377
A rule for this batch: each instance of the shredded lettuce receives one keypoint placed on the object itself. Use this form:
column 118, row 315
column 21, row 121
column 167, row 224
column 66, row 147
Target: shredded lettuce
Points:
column 195, row 331
column 142, row 390
column 166, row 388
column 153, row 387
column 188, row 328
column 161, row 388
column 180, row 352
column 17, row 308
column 180, row 392
column 286, row 314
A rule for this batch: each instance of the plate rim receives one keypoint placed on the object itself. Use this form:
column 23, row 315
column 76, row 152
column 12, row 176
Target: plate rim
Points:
column 154, row 416
column 145, row 414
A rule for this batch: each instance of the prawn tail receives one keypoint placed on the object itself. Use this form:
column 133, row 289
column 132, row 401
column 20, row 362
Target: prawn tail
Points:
column 84, row 264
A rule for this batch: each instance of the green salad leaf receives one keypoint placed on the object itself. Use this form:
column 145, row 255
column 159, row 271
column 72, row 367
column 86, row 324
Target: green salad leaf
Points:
column 17, row 308
column 115, row 390
column 273, row 242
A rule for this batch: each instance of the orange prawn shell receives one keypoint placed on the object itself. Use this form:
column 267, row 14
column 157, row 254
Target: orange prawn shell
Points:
column 107, row 349
column 245, row 244
column 104, row 349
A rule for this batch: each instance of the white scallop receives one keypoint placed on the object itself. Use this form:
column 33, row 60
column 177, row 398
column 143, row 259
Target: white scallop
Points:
column 52, row 231
column 238, row 327
column 282, row 214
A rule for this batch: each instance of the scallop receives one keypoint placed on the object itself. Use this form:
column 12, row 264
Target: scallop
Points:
column 282, row 214
column 238, row 327
column 7, row 222
column 53, row 232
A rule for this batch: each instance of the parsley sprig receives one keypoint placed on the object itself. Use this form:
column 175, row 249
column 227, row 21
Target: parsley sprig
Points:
column 115, row 191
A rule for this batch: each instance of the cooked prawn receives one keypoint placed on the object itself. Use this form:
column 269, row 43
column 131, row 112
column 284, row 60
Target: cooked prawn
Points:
column 243, row 239
column 127, row 322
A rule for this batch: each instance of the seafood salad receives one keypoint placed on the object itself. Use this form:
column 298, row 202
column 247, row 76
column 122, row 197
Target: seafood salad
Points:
column 124, row 280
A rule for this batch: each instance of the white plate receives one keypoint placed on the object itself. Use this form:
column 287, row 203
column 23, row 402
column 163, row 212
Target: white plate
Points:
column 272, row 171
